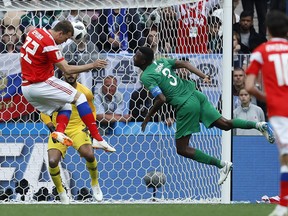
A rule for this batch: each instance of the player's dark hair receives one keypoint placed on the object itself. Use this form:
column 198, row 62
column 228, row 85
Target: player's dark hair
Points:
column 65, row 26
column 277, row 24
column 148, row 53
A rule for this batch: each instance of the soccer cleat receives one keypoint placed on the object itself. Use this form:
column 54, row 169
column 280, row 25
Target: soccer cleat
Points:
column 264, row 128
column 102, row 145
column 224, row 171
column 64, row 198
column 97, row 193
column 61, row 137
column 279, row 211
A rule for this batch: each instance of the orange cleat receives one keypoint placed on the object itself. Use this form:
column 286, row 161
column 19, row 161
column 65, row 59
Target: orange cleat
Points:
column 61, row 137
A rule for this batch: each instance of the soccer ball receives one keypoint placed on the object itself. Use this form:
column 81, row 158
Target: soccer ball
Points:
column 79, row 30
column 155, row 179
column 154, row 18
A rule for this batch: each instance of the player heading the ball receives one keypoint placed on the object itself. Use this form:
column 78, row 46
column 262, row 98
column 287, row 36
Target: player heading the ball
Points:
column 47, row 93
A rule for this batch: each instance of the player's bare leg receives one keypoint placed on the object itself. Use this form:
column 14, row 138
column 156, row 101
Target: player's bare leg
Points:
column 87, row 152
column 225, row 124
column 183, row 149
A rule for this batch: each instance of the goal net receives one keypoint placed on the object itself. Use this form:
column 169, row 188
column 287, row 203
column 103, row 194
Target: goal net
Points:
column 181, row 29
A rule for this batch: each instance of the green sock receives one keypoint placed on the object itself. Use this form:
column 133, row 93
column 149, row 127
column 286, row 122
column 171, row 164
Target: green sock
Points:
column 243, row 124
column 201, row 157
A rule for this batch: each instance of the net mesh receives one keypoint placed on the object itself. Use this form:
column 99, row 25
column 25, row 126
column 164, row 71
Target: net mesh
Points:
column 32, row 5
column 173, row 29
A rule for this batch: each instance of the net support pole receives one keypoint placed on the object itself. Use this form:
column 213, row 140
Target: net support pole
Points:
column 227, row 93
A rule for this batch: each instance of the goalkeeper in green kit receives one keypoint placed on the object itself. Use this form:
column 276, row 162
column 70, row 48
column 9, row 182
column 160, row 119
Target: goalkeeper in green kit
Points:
column 192, row 106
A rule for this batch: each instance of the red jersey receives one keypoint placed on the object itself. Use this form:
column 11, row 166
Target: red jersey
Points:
column 39, row 53
column 272, row 59
column 192, row 31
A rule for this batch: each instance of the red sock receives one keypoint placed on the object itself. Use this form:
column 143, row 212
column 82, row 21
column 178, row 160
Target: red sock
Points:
column 62, row 122
column 89, row 121
column 283, row 193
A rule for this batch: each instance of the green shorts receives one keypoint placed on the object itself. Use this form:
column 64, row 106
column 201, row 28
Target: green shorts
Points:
column 197, row 108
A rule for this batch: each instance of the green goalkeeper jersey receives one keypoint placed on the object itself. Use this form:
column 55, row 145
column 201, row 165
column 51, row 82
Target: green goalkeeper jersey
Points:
column 160, row 77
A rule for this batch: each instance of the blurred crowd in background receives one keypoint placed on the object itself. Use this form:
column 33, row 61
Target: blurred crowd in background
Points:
column 194, row 28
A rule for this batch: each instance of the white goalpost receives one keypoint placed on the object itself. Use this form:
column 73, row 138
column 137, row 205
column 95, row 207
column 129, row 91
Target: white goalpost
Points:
column 122, row 175
column 227, row 99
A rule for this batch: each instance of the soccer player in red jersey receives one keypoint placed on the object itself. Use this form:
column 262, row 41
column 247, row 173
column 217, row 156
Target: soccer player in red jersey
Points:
column 47, row 93
column 272, row 59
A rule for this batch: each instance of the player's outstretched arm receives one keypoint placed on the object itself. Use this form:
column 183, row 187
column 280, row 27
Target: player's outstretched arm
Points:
column 72, row 69
column 191, row 68
column 159, row 101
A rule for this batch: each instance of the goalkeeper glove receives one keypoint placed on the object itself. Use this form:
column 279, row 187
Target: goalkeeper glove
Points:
column 52, row 129
column 86, row 130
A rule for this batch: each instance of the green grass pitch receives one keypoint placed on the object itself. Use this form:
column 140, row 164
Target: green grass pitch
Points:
column 136, row 209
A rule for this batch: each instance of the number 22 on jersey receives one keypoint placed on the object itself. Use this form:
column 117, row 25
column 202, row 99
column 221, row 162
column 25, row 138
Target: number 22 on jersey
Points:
column 29, row 51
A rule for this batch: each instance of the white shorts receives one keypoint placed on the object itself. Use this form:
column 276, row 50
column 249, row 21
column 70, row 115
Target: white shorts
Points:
column 280, row 127
column 49, row 96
